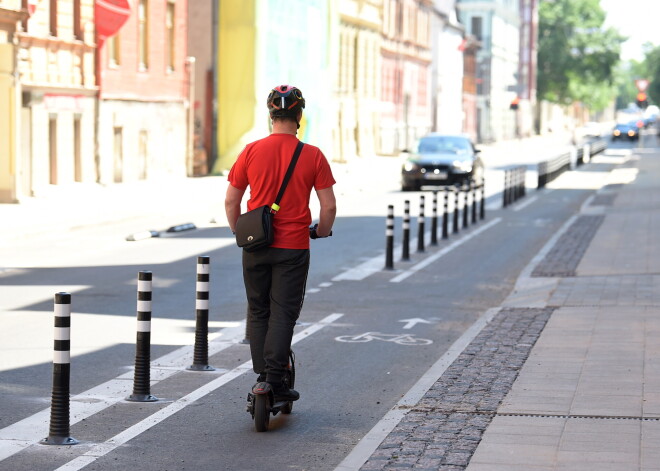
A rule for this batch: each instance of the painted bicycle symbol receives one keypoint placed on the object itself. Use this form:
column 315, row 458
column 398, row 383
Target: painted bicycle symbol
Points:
column 401, row 339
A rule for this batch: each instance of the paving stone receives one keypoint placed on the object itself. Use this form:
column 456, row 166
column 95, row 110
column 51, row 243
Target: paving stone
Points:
column 444, row 429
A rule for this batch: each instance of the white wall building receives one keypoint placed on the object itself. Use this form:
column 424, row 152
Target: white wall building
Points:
column 447, row 69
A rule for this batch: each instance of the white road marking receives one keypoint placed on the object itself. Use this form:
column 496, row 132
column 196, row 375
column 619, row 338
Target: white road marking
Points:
column 102, row 449
column 524, row 204
column 429, row 260
column 410, row 323
column 30, row 430
column 368, row 444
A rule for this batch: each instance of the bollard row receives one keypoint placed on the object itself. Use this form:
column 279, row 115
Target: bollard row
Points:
column 514, row 185
column 58, row 433
column 469, row 204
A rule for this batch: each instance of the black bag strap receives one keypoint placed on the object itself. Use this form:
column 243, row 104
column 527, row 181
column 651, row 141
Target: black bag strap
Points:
column 276, row 205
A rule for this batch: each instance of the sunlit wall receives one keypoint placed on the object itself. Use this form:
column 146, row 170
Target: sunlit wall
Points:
column 261, row 44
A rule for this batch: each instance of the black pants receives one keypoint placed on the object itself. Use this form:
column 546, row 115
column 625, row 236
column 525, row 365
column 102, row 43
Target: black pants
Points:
column 275, row 282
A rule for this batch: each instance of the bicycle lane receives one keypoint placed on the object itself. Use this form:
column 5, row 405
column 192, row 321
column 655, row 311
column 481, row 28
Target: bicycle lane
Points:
column 348, row 387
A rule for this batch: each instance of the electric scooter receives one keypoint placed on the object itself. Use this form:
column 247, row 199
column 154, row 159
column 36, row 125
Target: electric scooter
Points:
column 261, row 401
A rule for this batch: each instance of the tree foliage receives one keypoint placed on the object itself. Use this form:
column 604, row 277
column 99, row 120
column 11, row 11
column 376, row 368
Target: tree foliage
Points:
column 652, row 62
column 577, row 56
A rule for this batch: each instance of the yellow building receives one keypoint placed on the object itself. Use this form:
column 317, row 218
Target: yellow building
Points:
column 47, row 50
column 10, row 16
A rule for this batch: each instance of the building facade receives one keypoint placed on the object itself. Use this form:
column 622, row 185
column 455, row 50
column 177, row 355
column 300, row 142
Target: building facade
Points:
column 145, row 125
column 406, row 110
column 496, row 24
column 447, row 69
column 357, row 80
column 201, row 14
column 265, row 43
column 527, row 68
column 50, row 52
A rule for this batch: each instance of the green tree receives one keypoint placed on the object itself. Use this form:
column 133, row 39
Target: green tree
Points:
column 652, row 61
column 577, row 56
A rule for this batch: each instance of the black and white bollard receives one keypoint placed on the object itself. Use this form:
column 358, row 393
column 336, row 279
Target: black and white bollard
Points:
column 201, row 349
column 466, row 205
column 420, row 226
column 389, row 236
column 473, row 187
column 58, row 432
column 482, row 207
column 456, row 208
column 505, row 193
column 142, row 376
column 434, row 219
column 445, row 214
column 405, row 255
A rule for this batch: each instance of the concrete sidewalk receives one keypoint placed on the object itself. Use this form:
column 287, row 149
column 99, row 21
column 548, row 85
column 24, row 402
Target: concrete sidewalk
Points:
column 566, row 375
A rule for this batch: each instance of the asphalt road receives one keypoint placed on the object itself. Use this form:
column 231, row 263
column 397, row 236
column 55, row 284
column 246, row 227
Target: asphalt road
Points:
column 366, row 334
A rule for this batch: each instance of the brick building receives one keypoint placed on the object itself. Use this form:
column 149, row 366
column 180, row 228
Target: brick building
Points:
column 406, row 74
column 47, row 69
column 144, row 129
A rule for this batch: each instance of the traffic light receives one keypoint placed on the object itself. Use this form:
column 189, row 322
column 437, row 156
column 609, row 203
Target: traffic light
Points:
column 514, row 104
column 642, row 100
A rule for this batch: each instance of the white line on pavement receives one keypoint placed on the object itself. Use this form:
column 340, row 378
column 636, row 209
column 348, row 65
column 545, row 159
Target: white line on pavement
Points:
column 30, row 430
column 429, row 260
column 106, row 447
column 368, row 444
column 524, row 204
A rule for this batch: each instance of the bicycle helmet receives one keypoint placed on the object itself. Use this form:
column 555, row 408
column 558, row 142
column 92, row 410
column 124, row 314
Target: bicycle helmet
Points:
column 285, row 101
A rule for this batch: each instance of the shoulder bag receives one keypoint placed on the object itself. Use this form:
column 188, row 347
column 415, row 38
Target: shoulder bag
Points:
column 254, row 229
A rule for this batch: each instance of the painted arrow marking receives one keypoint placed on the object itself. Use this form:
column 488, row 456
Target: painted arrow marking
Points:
column 410, row 323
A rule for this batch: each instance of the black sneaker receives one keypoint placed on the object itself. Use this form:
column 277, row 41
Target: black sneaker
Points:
column 283, row 393
column 260, row 379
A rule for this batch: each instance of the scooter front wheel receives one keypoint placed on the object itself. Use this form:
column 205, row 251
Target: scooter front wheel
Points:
column 262, row 408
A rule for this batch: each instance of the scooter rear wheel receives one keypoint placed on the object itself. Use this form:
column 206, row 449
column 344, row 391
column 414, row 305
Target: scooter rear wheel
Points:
column 262, row 408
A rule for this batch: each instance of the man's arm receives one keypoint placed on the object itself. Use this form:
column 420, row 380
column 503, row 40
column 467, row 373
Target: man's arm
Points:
column 328, row 211
column 233, row 205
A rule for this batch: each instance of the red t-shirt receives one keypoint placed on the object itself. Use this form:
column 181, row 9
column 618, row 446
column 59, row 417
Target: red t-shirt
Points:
column 262, row 166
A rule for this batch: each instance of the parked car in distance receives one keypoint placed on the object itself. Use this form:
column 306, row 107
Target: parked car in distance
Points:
column 441, row 159
column 628, row 130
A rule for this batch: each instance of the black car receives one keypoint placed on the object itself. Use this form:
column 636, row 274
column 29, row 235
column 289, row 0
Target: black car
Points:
column 441, row 159
column 628, row 130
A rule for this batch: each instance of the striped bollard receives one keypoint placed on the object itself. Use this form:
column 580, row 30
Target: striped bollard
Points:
column 389, row 236
column 466, row 205
column 505, row 193
column 445, row 214
column 456, row 209
column 420, row 226
column 482, row 208
column 473, row 187
column 58, row 432
column 201, row 350
column 405, row 256
column 434, row 220
column 142, row 376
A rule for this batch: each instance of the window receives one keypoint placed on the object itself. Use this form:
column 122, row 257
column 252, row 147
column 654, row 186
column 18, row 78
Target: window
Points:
column 114, row 51
column 476, row 27
column 118, row 147
column 24, row 23
column 77, row 26
column 143, row 33
column 169, row 36
column 52, row 23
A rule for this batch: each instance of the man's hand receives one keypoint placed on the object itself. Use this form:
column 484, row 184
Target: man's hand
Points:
column 314, row 235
